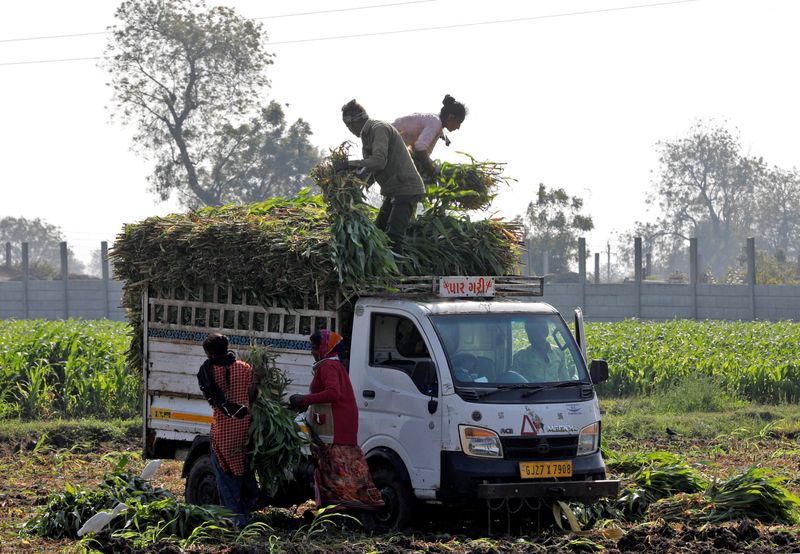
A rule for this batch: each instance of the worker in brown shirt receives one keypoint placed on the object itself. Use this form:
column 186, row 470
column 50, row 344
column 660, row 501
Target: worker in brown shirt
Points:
column 387, row 161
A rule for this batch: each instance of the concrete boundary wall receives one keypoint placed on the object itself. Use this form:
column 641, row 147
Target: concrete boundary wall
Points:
column 102, row 298
column 94, row 299
column 61, row 298
column 658, row 301
column 662, row 301
column 86, row 299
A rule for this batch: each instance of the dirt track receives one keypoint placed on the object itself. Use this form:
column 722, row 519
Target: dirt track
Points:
column 29, row 476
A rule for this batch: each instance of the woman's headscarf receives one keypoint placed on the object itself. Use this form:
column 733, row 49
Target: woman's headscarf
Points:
column 328, row 342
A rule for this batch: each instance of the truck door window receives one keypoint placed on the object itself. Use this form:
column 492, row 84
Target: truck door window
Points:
column 395, row 342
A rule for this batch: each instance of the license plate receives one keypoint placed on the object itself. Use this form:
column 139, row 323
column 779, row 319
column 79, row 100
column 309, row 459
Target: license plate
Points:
column 543, row 470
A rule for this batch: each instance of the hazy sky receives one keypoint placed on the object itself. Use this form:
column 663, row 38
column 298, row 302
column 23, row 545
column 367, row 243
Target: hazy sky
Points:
column 564, row 97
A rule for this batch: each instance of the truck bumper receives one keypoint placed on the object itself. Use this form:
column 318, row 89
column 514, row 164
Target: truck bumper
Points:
column 466, row 478
column 560, row 490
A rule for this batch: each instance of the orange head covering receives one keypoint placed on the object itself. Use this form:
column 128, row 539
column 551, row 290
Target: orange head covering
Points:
column 329, row 340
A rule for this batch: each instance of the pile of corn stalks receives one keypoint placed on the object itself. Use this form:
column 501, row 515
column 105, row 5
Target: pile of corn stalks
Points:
column 660, row 485
column 754, row 494
column 283, row 248
column 65, row 512
column 280, row 250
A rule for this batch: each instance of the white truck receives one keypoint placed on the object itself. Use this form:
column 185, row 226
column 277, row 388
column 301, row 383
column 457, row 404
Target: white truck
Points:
column 450, row 408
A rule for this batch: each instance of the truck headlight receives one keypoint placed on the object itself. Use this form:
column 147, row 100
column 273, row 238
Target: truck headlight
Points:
column 589, row 439
column 480, row 442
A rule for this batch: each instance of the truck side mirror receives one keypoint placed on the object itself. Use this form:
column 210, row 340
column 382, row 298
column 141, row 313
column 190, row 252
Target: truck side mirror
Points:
column 598, row 371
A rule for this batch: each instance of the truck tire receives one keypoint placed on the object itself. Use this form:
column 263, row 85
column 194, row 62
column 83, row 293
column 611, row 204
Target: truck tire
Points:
column 399, row 499
column 201, row 483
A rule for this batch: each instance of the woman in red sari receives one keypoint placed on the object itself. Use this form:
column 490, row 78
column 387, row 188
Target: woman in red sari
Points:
column 342, row 477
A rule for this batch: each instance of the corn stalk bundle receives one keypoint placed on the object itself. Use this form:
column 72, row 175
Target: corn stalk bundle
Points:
column 275, row 445
column 470, row 186
column 360, row 251
column 169, row 518
column 680, row 507
column 755, row 495
column 270, row 250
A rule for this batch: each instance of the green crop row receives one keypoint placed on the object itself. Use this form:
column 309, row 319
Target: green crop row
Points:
column 756, row 361
column 67, row 369
column 77, row 368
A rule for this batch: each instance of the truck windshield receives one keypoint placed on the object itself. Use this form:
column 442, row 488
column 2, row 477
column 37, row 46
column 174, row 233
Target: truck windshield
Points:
column 502, row 349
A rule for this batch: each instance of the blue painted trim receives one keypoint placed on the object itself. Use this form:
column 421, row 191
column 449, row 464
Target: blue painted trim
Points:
column 237, row 340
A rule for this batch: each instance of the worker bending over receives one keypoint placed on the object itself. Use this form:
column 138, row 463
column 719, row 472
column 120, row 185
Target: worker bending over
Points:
column 387, row 161
column 422, row 131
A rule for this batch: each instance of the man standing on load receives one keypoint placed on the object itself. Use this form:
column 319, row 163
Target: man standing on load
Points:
column 387, row 161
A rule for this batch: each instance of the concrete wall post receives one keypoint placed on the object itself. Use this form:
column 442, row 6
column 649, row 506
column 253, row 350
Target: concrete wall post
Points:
column 597, row 268
column 65, row 277
column 26, row 276
column 637, row 273
column 751, row 274
column 106, row 277
column 693, row 274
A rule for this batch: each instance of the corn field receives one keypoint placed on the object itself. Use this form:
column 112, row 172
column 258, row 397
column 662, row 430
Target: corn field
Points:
column 756, row 361
column 66, row 369
column 75, row 368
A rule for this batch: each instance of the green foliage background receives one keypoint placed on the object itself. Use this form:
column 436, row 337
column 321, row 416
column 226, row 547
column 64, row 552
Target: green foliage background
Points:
column 66, row 369
column 76, row 368
column 756, row 361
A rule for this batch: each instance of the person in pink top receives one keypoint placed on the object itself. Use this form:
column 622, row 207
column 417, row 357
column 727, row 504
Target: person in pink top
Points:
column 421, row 131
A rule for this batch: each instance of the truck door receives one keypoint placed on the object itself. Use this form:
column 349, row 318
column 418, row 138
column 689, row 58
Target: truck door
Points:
column 398, row 396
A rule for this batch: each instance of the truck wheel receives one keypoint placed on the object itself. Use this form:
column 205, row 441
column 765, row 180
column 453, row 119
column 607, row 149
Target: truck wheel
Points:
column 201, row 483
column 399, row 500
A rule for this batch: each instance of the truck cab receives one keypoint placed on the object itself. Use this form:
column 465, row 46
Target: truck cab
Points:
column 468, row 391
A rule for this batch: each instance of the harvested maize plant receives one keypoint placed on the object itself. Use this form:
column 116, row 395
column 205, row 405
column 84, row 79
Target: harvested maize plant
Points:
column 360, row 251
column 470, row 186
column 660, row 485
column 647, row 479
column 65, row 512
column 274, row 440
column 751, row 495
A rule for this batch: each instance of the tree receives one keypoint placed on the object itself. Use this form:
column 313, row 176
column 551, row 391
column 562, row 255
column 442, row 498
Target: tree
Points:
column 777, row 218
column 668, row 250
column 261, row 158
column 188, row 77
column 44, row 245
column 555, row 222
column 706, row 188
column 771, row 269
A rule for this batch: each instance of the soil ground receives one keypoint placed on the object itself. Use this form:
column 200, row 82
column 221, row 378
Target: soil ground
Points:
column 29, row 473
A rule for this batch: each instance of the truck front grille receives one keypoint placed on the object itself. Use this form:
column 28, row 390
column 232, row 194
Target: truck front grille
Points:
column 539, row 448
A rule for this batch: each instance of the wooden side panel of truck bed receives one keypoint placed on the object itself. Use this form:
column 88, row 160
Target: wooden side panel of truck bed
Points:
column 174, row 406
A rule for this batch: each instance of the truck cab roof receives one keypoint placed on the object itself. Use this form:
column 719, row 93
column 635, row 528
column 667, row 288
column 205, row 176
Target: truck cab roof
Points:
column 442, row 306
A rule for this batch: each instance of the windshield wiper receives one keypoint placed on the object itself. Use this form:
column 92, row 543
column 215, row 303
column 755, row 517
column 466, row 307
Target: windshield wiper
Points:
column 505, row 387
column 563, row 384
